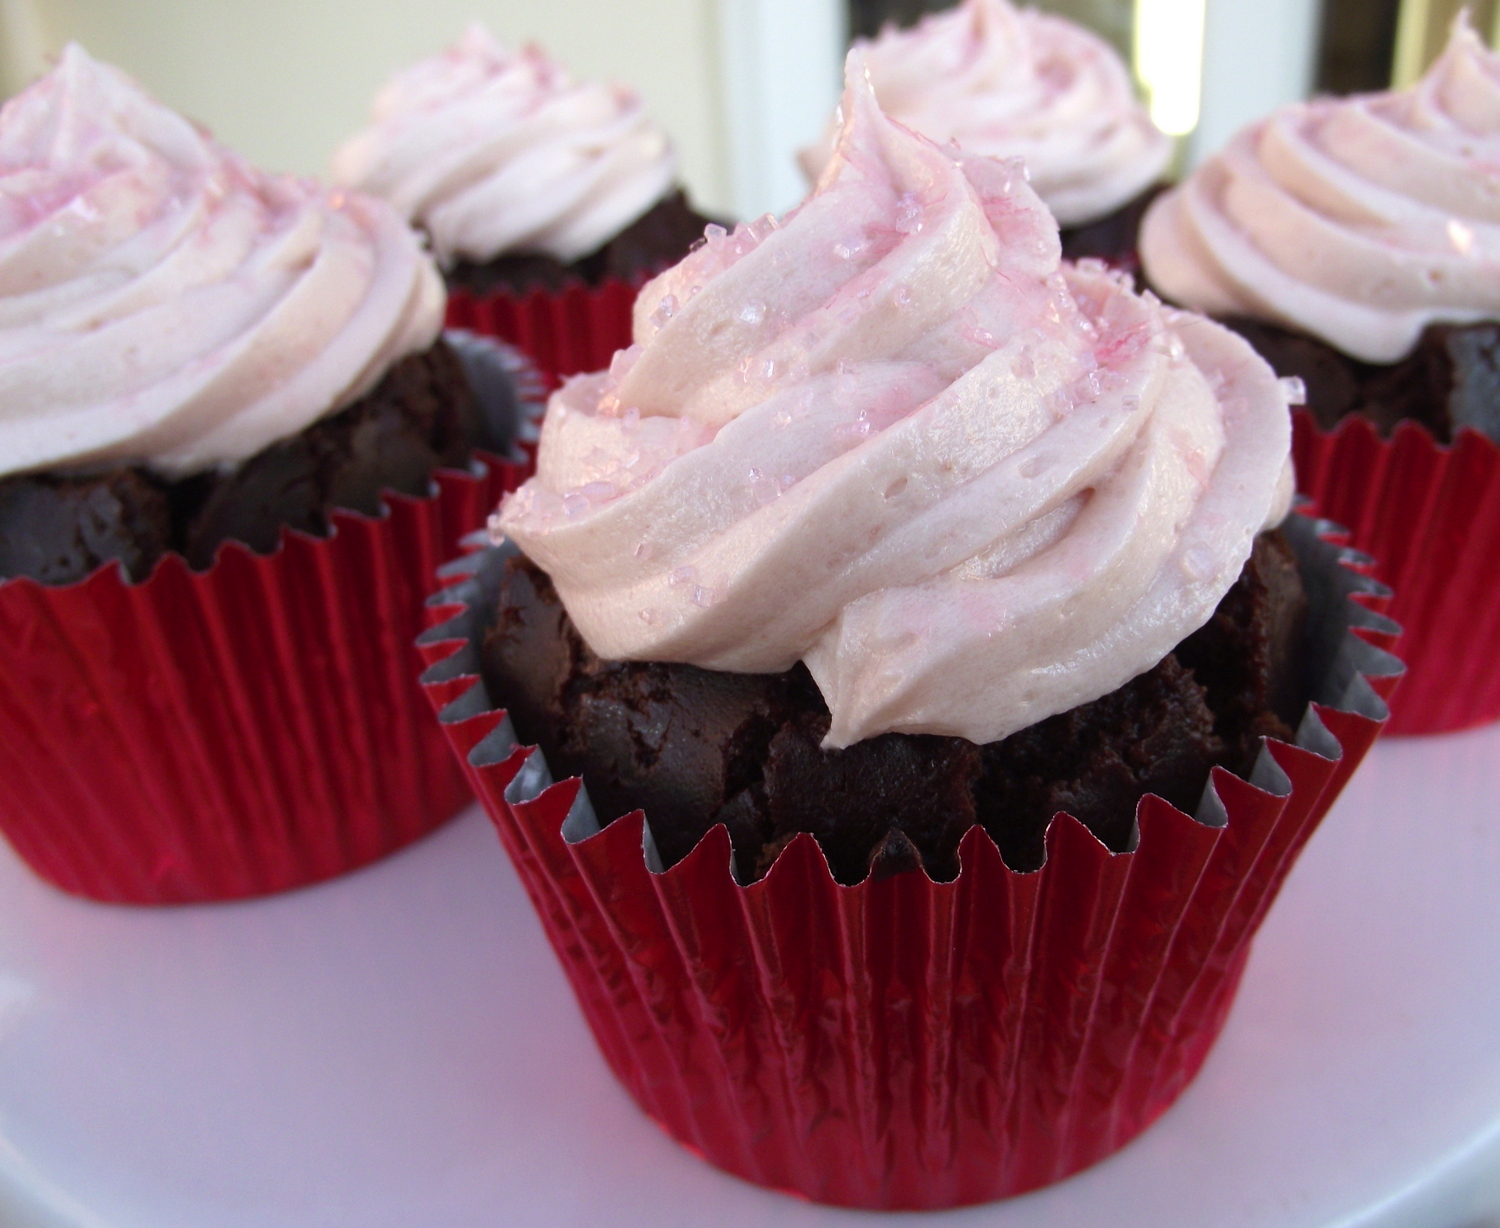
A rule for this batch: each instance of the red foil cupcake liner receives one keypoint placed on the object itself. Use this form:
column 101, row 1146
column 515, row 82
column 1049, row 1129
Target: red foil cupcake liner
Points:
column 907, row 1043
column 243, row 730
column 576, row 329
column 1430, row 515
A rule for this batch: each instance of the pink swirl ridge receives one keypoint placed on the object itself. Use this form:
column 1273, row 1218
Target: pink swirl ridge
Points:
column 1359, row 220
column 164, row 303
column 892, row 436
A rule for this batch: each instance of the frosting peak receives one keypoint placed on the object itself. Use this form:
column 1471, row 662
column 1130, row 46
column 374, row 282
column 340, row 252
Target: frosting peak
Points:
column 1011, row 83
column 1359, row 220
column 492, row 151
column 162, row 302
column 892, row 436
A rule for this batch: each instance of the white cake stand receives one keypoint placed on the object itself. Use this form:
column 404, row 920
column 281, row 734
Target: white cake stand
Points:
column 398, row 1050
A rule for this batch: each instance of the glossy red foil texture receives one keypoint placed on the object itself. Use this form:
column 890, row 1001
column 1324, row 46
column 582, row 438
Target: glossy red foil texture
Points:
column 905, row 1043
column 234, row 732
column 1430, row 516
column 576, row 329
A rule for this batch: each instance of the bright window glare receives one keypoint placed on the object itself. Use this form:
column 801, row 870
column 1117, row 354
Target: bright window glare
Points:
column 1169, row 60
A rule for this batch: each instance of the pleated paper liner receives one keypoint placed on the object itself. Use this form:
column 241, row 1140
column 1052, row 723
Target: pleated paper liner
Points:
column 576, row 329
column 906, row 1043
column 243, row 730
column 1430, row 515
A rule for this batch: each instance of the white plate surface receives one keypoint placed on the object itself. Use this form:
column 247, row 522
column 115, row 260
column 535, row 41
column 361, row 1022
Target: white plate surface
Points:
column 398, row 1050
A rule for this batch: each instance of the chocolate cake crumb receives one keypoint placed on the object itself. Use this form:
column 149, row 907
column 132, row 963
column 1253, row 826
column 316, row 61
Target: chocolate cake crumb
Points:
column 1250, row 655
column 1450, row 380
column 656, row 240
column 687, row 745
column 1155, row 734
column 919, row 785
column 693, row 747
column 59, row 530
column 422, row 415
column 895, row 854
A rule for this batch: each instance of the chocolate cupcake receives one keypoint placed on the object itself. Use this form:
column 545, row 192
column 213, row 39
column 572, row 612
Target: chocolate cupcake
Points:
column 522, row 176
column 1354, row 241
column 891, row 539
column 698, row 748
column 201, row 361
column 1011, row 83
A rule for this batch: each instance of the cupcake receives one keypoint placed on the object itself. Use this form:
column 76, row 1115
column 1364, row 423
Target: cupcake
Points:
column 1012, row 83
column 1354, row 241
column 524, row 180
column 891, row 550
column 199, row 357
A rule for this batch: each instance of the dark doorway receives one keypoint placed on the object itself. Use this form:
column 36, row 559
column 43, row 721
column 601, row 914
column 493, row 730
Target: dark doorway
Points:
column 1358, row 45
column 867, row 16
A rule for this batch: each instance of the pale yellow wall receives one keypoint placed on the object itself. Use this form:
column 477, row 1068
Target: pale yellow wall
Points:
column 283, row 81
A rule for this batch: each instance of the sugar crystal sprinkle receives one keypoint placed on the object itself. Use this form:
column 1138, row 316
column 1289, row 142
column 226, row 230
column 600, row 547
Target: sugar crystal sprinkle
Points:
column 1295, row 389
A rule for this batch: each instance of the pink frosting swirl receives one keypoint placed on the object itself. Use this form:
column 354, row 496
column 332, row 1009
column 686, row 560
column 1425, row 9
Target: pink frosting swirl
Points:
column 493, row 151
column 1019, row 84
column 1359, row 220
column 162, row 302
column 894, row 437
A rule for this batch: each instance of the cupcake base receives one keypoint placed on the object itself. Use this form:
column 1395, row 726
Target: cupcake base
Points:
column 698, row 747
column 905, row 1043
column 1372, row 451
column 1428, row 514
column 659, row 238
column 242, row 730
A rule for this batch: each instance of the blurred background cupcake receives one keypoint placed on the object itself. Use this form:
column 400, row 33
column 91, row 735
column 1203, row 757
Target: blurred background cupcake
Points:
column 1011, row 83
column 520, row 175
column 1356, row 243
column 525, row 179
column 202, row 361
